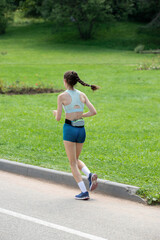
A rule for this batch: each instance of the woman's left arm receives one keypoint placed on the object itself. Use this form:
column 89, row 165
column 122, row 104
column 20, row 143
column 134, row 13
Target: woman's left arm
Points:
column 57, row 113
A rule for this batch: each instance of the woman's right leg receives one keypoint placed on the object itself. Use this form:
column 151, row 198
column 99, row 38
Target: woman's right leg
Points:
column 70, row 148
column 81, row 164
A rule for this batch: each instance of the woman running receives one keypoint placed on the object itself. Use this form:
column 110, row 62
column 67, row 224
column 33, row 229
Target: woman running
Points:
column 74, row 134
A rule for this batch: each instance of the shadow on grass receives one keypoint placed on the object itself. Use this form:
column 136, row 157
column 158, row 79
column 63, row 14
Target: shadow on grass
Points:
column 46, row 35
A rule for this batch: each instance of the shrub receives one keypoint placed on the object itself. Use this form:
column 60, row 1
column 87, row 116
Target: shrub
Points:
column 153, row 65
column 22, row 88
column 139, row 48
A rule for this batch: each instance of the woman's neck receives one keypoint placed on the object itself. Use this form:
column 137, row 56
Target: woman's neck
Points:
column 70, row 88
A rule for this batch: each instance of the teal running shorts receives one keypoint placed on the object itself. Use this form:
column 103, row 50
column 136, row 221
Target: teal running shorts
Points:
column 73, row 134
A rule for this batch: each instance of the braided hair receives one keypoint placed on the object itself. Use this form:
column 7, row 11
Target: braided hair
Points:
column 72, row 78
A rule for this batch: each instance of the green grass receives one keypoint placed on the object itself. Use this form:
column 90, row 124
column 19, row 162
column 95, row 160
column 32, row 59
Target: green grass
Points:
column 122, row 142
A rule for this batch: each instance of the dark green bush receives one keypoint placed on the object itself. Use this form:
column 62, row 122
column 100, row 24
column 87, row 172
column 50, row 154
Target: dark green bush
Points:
column 31, row 8
column 3, row 16
column 145, row 10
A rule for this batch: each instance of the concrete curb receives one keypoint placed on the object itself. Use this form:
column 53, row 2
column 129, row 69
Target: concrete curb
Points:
column 119, row 190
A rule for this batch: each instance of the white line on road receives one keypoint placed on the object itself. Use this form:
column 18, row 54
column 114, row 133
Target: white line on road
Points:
column 51, row 225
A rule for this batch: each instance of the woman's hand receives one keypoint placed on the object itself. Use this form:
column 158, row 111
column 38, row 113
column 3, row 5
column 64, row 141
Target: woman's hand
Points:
column 55, row 113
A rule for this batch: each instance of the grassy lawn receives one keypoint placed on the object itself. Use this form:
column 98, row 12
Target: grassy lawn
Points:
column 122, row 142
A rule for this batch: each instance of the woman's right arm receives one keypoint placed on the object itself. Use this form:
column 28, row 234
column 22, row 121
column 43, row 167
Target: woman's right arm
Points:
column 92, row 110
column 57, row 113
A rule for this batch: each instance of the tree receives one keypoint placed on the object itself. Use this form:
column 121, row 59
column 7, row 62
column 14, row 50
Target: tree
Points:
column 5, row 7
column 85, row 14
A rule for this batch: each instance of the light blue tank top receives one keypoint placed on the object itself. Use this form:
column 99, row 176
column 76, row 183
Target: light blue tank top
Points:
column 75, row 96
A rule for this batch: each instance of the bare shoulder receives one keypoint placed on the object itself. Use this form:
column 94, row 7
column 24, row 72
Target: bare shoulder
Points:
column 62, row 96
column 83, row 97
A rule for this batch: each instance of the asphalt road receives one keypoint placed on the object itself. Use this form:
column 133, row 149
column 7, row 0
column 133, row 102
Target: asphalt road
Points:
column 31, row 209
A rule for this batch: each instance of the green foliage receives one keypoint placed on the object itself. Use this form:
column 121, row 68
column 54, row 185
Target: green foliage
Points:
column 18, row 2
column 150, row 196
column 3, row 17
column 31, row 8
column 122, row 8
column 144, row 10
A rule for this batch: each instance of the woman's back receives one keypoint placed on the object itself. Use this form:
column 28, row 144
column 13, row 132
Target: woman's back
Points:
column 73, row 104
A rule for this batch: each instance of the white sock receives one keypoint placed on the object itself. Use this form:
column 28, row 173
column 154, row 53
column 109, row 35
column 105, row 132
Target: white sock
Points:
column 82, row 186
column 86, row 171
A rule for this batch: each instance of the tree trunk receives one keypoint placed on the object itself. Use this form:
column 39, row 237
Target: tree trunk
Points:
column 85, row 29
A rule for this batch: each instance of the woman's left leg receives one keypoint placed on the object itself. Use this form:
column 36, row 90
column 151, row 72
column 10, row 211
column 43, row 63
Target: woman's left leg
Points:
column 92, row 177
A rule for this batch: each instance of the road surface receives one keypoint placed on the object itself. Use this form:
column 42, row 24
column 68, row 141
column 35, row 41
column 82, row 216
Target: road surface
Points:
column 32, row 209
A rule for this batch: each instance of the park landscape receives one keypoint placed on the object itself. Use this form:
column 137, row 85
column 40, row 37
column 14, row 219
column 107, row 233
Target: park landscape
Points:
column 122, row 142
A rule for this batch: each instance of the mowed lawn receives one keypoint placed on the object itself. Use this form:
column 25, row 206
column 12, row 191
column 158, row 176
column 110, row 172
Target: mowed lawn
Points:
column 122, row 141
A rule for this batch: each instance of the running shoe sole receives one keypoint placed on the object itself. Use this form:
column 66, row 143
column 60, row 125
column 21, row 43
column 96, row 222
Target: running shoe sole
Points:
column 84, row 198
column 94, row 183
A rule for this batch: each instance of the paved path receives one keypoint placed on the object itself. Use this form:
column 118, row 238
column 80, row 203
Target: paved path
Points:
column 37, row 210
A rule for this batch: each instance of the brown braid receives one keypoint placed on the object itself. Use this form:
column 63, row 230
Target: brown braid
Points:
column 83, row 83
column 72, row 78
column 93, row 87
